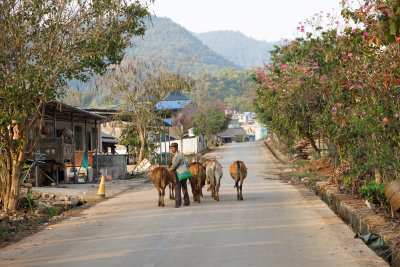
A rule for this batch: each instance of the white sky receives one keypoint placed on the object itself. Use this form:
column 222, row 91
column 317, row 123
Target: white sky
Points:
column 268, row 20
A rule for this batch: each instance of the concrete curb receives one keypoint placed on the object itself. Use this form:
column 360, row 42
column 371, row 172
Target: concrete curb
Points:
column 362, row 219
column 356, row 213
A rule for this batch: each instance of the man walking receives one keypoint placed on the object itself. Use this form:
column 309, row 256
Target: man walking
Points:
column 177, row 160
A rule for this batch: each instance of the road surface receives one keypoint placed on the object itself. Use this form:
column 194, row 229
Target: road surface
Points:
column 275, row 225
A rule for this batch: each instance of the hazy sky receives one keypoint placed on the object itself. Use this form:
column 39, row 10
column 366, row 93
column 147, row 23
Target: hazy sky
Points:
column 268, row 20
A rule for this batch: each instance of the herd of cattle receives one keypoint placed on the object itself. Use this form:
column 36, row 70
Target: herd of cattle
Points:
column 210, row 173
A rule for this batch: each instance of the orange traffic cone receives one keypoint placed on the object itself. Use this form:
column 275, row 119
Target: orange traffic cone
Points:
column 102, row 188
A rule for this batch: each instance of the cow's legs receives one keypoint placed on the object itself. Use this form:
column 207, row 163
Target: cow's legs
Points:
column 171, row 191
column 159, row 196
column 162, row 197
column 217, row 190
column 199, row 188
column 238, row 192
column 193, row 186
column 241, row 183
column 208, row 183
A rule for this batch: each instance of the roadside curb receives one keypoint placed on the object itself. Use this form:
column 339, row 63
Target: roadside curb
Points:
column 356, row 214
column 363, row 220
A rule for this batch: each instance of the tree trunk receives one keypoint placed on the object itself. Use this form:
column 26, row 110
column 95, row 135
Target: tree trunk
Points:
column 182, row 144
column 142, row 142
column 11, row 184
column 312, row 142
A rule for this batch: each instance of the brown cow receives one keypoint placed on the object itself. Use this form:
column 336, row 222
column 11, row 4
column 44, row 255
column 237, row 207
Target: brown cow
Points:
column 214, row 174
column 161, row 176
column 238, row 172
column 171, row 184
column 196, row 182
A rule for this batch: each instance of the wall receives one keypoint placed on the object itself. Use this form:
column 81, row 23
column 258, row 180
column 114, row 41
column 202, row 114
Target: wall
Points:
column 111, row 166
column 190, row 145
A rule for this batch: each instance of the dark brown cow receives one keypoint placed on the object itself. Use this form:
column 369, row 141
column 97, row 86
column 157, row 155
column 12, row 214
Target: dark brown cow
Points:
column 196, row 182
column 161, row 176
column 238, row 172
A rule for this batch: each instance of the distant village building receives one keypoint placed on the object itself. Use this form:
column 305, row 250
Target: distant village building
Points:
column 232, row 135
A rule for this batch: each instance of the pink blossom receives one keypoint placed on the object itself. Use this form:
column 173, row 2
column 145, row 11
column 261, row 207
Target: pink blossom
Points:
column 339, row 104
column 396, row 115
column 334, row 108
column 345, row 60
column 353, row 31
column 363, row 112
column 350, row 54
column 347, row 22
column 337, row 22
column 343, row 53
column 365, row 34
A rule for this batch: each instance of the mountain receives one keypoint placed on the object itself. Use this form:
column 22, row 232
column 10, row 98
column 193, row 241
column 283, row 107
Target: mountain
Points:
column 168, row 41
column 237, row 47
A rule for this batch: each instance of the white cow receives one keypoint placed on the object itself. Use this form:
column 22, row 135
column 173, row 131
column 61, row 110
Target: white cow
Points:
column 213, row 176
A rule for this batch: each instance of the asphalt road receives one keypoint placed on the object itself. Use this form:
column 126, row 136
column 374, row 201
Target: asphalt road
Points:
column 275, row 225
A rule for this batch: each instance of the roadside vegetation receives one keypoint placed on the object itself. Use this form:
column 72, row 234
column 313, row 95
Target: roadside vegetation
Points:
column 339, row 82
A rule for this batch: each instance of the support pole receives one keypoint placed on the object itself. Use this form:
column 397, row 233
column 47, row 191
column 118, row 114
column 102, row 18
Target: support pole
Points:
column 97, row 149
column 55, row 122
column 169, row 142
column 73, row 145
column 161, row 148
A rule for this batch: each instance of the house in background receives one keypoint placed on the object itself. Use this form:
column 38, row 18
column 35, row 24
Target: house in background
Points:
column 232, row 135
column 172, row 105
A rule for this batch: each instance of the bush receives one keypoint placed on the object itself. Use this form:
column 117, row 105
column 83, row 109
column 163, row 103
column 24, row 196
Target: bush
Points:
column 374, row 193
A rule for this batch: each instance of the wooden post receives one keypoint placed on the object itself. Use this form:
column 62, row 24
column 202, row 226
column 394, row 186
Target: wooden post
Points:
column 73, row 145
column 97, row 149
column 55, row 122
column 169, row 142
column 161, row 148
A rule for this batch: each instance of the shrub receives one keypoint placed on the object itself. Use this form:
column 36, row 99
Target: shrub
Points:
column 374, row 193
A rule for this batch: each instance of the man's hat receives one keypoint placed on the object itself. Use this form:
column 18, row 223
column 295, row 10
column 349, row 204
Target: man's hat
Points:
column 174, row 145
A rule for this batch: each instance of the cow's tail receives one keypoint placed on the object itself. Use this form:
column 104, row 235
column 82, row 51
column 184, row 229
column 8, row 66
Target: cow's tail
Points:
column 238, row 174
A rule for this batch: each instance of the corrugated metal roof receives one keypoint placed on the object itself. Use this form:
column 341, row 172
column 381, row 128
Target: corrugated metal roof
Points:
column 174, row 96
column 174, row 105
column 231, row 132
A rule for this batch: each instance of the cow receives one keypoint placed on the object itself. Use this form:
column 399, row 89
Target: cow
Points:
column 161, row 176
column 197, row 180
column 238, row 172
column 214, row 174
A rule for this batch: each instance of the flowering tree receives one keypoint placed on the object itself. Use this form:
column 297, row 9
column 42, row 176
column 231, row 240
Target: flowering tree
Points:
column 342, row 81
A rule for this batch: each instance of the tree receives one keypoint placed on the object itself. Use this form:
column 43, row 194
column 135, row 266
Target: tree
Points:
column 43, row 45
column 210, row 118
column 140, row 86
column 183, row 122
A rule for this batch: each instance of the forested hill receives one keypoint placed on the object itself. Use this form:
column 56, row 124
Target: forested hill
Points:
column 167, row 41
column 237, row 47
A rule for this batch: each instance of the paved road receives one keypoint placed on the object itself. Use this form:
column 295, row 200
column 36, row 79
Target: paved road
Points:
column 275, row 225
